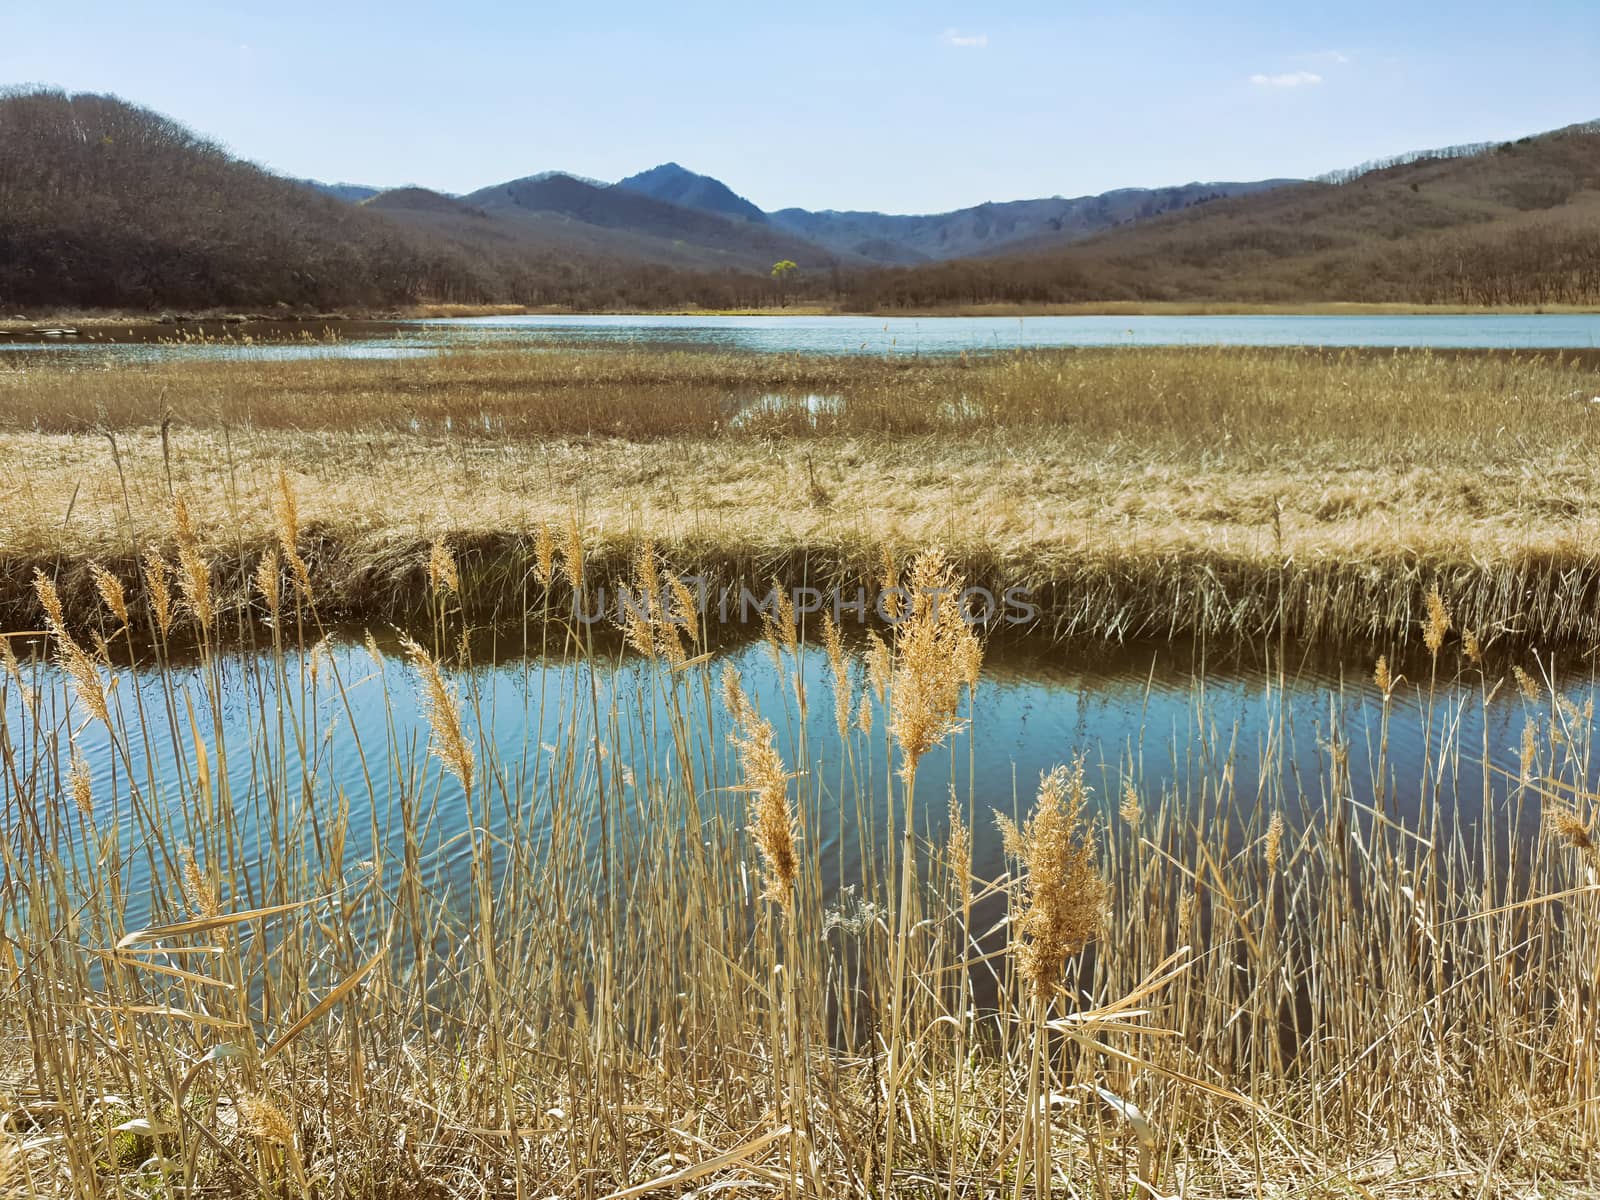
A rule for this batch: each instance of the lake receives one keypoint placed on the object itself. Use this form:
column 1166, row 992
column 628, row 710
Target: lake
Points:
column 833, row 335
column 291, row 744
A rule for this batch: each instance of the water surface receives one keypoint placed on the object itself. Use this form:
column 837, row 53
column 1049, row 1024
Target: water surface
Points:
column 291, row 748
column 832, row 335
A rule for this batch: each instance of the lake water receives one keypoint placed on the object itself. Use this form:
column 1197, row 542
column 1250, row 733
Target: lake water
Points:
column 1219, row 737
column 839, row 335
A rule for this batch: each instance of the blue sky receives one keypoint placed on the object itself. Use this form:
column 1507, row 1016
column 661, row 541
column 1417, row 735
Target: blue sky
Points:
column 902, row 107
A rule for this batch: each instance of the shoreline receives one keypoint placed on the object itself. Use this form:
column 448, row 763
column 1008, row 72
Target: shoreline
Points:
column 1112, row 598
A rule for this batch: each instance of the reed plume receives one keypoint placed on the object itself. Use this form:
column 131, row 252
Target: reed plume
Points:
column 71, row 657
column 269, row 582
column 1437, row 623
column 839, row 670
column 781, row 629
column 636, row 627
column 931, row 648
column 733, row 697
column 958, row 850
column 1274, row 841
column 49, row 599
column 443, row 575
column 572, row 554
column 1063, row 896
column 767, row 781
column 194, row 574
column 112, row 594
column 262, row 1119
column 1128, row 810
column 447, row 741
column 286, row 520
column 544, row 555
column 891, row 602
column 259, row 1117
column 649, row 626
column 156, row 585
column 686, row 607
column 198, row 893
column 81, row 785
column 1575, row 832
column 879, row 665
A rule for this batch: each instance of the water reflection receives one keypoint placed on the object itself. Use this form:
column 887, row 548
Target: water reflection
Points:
column 344, row 730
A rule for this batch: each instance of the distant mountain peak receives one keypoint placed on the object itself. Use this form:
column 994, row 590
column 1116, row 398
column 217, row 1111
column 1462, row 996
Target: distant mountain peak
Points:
column 676, row 184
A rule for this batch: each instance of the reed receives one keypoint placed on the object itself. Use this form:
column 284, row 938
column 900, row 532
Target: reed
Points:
column 590, row 945
column 1320, row 493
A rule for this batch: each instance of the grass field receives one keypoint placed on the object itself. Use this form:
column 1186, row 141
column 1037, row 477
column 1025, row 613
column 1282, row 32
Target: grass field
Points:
column 1138, row 492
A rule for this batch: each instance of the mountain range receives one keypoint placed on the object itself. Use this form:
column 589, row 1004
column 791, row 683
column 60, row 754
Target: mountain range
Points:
column 105, row 204
column 810, row 238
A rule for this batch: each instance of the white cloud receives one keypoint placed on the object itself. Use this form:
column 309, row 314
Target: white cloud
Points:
column 965, row 41
column 1288, row 79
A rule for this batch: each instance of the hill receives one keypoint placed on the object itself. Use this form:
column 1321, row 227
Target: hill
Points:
column 1506, row 224
column 680, row 235
column 103, row 204
column 417, row 199
column 996, row 227
column 352, row 193
column 674, row 184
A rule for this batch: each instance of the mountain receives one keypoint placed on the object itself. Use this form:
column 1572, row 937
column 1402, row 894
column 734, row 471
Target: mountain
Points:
column 657, row 229
column 982, row 229
column 991, row 228
column 1503, row 223
column 675, row 185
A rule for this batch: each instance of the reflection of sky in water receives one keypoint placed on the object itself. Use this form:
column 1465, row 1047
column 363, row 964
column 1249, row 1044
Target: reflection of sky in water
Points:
column 856, row 335
column 1142, row 714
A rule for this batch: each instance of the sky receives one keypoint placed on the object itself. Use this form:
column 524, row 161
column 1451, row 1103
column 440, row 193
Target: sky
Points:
column 894, row 106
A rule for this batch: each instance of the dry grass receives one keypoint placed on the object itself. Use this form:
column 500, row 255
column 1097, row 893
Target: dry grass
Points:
column 1325, row 490
column 1370, row 996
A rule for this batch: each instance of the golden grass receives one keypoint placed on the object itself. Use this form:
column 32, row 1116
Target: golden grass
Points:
column 1375, row 995
column 1107, row 480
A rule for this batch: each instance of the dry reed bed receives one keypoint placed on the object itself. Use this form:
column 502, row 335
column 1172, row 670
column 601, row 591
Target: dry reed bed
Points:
column 1135, row 493
column 1207, row 403
column 1119, row 533
column 1320, row 988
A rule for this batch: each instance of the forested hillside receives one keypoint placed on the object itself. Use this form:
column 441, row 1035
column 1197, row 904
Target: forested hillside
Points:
column 1516, row 223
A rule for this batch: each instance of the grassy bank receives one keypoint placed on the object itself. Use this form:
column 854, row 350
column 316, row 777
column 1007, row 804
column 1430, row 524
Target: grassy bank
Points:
column 640, row 984
column 1139, row 492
